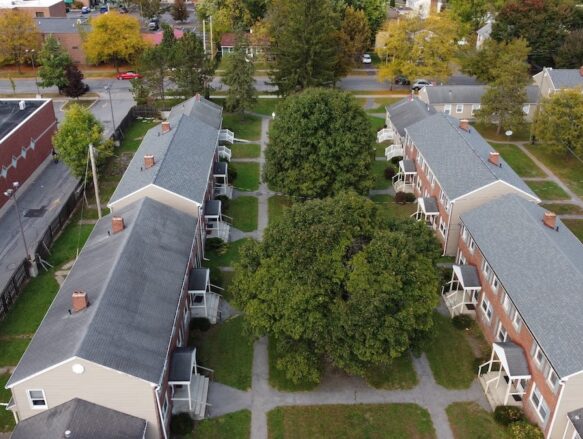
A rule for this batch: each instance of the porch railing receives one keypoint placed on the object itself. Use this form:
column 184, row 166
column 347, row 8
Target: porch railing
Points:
column 224, row 152
column 393, row 151
column 384, row 135
column 226, row 136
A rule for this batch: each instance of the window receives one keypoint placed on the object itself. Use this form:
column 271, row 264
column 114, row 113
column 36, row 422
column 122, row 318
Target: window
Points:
column 495, row 284
column 553, row 380
column 472, row 245
column 506, row 302
column 487, row 308
column 23, row 152
column 501, row 334
column 420, row 160
column 539, row 403
column 459, row 108
column 475, row 107
column 37, row 399
column 40, row 14
column 486, row 270
column 447, row 108
column 14, row 162
column 526, row 109
column 442, row 227
column 165, row 407
column 516, row 320
column 538, row 355
column 443, row 199
column 464, row 233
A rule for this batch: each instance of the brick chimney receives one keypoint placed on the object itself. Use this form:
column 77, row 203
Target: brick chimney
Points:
column 117, row 224
column 581, row 70
column 149, row 161
column 550, row 220
column 465, row 125
column 79, row 301
column 494, row 158
column 165, row 127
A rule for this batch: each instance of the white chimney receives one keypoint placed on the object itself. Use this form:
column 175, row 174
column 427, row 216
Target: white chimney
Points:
column 22, row 104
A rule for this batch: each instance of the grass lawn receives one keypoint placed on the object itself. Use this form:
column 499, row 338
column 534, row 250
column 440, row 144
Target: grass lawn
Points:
column 518, row 160
column 381, row 103
column 276, row 205
column 6, row 417
column 576, row 226
column 376, row 123
column 244, row 211
column 65, row 247
column 223, row 280
column 380, row 149
column 266, row 106
column 390, row 209
column 400, row 374
column 134, row 134
column 548, row 190
column 378, row 172
column 563, row 208
column 277, row 378
column 489, row 132
column 81, row 102
column 370, row 421
column 235, row 425
column 565, row 166
column 247, row 127
column 11, row 351
column 469, row 421
column 228, row 258
column 245, row 150
column 228, row 351
column 449, row 354
column 247, row 176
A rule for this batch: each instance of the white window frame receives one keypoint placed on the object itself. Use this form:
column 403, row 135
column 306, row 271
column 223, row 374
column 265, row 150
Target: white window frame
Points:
column 475, row 107
column 31, row 399
column 165, row 406
column 540, row 404
column 472, row 245
column 501, row 329
column 459, row 108
column 517, row 320
column 442, row 226
column 447, row 108
column 495, row 283
column 538, row 352
column 487, row 270
column 486, row 307
column 506, row 303
column 464, row 234
column 554, row 386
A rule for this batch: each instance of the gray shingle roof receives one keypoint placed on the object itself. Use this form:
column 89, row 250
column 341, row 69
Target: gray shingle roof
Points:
column 576, row 417
column 566, row 78
column 469, row 276
column 183, row 156
column 517, row 364
column 133, row 281
column 458, row 158
column 84, row 420
column 181, row 365
column 202, row 109
column 61, row 25
column 542, row 271
column 485, row 30
column 408, row 111
column 469, row 94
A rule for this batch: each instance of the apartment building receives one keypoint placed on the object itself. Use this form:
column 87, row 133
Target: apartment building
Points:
column 552, row 80
column 68, row 31
column 519, row 272
column 37, row 8
column 452, row 169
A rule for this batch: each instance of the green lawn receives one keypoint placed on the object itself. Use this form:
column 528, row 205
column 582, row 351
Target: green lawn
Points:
column 12, row 350
column 235, row 425
column 134, row 134
column 266, row 106
column 470, row 421
column 563, row 208
column 378, row 172
column 6, row 417
column 228, row 258
column 518, row 160
column 381, row 103
column 376, row 123
column 576, row 226
column 489, row 132
column 244, row 211
column 362, row 421
column 72, row 239
column 548, row 190
column 228, row 351
column 390, row 209
column 247, row 176
column 399, row 375
column 82, row 102
column 246, row 127
column 276, row 205
column 277, row 378
column 245, row 150
column 380, row 149
column 565, row 166
column 449, row 354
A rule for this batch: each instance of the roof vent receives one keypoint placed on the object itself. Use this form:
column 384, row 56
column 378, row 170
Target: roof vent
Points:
column 149, row 161
column 494, row 158
column 67, row 433
column 79, row 300
column 22, row 105
column 117, row 224
column 465, row 125
column 165, row 127
column 550, row 220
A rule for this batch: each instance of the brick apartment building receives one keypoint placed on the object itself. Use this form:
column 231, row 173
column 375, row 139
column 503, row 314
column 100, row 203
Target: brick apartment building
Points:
column 37, row 8
column 26, row 130
column 68, row 32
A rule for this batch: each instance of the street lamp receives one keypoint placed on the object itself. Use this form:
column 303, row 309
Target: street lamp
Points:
column 108, row 90
column 31, row 51
column 11, row 194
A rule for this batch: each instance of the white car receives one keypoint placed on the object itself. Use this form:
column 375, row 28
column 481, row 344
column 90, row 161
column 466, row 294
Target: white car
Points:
column 420, row 83
column 366, row 59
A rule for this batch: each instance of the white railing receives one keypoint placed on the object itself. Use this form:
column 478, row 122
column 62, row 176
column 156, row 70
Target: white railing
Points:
column 394, row 151
column 224, row 152
column 384, row 135
column 400, row 185
column 226, row 136
column 224, row 189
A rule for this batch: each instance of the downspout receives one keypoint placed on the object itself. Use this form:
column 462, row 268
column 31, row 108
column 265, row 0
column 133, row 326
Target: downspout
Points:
column 448, row 225
column 552, row 424
column 157, row 397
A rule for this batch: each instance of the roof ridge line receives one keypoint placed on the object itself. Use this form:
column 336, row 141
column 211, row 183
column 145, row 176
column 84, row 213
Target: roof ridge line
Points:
column 170, row 140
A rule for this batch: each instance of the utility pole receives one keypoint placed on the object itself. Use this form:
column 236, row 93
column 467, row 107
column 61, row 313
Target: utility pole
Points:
column 204, row 35
column 212, row 51
column 95, row 184
column 108, row 89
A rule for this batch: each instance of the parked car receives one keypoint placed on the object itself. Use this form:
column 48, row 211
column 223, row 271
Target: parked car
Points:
column 401, row 80
column 103, row 9
column 128, row 75
column 366, row 59
column 154, row 23
column 85, row 10
column 420, row 83
column 123, row 10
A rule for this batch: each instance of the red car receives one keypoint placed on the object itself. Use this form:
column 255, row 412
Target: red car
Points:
column 128, row 75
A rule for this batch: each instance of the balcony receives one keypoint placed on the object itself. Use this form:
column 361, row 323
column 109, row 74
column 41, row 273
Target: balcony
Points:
column 202, row 300
column 224, row 152
column 226, row 136
column 461, row 293
column 393, row 151
column 427, row 211
column 404, row 181
column 221, row 180
column 218, row 225
column 384, row 135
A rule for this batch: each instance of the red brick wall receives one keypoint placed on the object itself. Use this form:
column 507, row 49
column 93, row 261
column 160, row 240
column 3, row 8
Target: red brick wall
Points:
column 40, row 126
column 56, row 10
column 523, row 337
column 73, row 44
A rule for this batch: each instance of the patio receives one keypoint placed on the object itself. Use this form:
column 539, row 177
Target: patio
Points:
column 461, row 293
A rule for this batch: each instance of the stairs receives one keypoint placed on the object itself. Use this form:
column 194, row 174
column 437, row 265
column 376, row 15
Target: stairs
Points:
column 199, row 390
column 212, row 308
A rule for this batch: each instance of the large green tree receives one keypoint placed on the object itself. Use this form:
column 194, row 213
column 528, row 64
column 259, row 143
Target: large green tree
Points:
column 75, row 133
column 320, row 144
column 332, row 281
column 559, row 121
column 53, row 60
column 570, row 54
column 354, row 36
column 155, row 62
column 18, row 37
column 239, row 76
column 304, row 44
column 179, row 10
column 192, row 69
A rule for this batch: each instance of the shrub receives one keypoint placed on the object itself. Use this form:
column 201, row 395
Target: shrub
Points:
column 400, row 197
column 200, row 324
column 462, row 321
column 524, row 430
column 216, row 244
column 395, row 161
column 225, row 202
column 232, row 171
column 389, row 172
column 181, row 424
column 410, row 198
column 507, row 414
column 77, row 4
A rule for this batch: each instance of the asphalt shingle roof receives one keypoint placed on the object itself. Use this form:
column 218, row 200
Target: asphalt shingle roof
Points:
column 202, row 109
column 459, row 158
column 407, row 112
column 576, row 417
column 62, row 25
column 469, row 94
column 517, row 364
column 84, row 420
column 133, row 281
column 541, row 270
column 183, row 160
column 566, row 78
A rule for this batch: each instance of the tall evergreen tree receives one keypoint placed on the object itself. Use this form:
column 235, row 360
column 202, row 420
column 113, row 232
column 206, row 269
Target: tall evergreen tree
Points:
column 53, row 60
column 155, row 62
column 192, row 70
column 239, row 76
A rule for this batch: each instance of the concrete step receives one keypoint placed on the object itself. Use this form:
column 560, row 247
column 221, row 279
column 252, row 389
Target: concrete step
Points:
column 200, row 394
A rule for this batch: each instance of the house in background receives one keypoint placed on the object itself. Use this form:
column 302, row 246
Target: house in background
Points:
column 424, row 8
column 462, row 101
column 254, row 48
column 37, row 8
column 552, row 80
column 519, row 272
column 484, row 33
column 68, row 32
